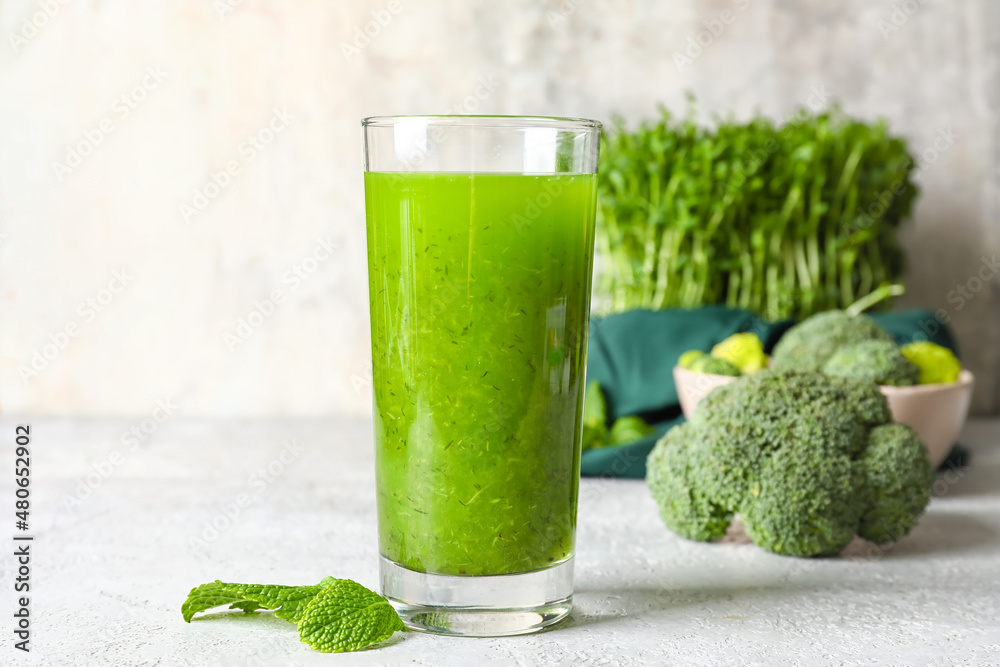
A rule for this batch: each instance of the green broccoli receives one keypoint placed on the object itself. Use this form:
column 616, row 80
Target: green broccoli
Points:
column 714, row 366
column 809, row 344
column 807, row 461
column 901, row 489
column 673, row 474
column 878, row 361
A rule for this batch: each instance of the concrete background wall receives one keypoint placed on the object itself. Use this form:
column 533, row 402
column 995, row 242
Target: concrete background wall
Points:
column 168, row 169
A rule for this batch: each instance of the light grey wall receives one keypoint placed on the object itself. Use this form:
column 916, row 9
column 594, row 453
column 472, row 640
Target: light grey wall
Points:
column 223, row 67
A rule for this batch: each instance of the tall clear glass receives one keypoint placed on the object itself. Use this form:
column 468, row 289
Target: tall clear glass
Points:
column 480, row 257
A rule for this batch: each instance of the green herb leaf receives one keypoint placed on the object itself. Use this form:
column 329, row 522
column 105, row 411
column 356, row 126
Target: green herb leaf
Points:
column 346, row 616
column 288, row 602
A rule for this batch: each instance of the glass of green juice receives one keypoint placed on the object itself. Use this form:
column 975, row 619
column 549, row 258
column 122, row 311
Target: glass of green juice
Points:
column 480, row 235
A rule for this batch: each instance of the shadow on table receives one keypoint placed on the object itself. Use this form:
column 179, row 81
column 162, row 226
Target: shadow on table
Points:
column 939, row 532
column 978, row 479
column 635, row 602
column 281, row 629
column 260, row 618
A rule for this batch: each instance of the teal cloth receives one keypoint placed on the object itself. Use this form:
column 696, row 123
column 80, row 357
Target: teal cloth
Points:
column 632, row 355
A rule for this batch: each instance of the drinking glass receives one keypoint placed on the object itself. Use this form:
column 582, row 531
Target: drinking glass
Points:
column 480, row 237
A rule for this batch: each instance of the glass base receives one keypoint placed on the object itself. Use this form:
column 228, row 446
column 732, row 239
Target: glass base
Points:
column 489, row 606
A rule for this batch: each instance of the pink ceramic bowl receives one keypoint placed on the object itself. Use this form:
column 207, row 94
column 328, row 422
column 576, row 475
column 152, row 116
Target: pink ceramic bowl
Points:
column 935, row 411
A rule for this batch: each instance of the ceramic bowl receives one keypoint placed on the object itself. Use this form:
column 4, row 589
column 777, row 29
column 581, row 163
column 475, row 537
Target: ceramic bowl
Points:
column 935, row 411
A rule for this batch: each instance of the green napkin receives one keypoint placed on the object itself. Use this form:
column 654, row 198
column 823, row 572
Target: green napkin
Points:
column 632, row 355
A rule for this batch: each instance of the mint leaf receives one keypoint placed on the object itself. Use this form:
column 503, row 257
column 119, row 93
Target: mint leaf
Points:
column 288, row 602
column 346, row 616
column 334, row 616
column 247, row 606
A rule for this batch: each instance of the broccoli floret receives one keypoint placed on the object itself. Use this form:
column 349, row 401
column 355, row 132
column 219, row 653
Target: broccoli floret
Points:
column 673, row 476
column 805, row 503
column 805, row 460
column 707, row 364
column 868, row 402
column 809, row 344
column 782, row 406
column 877, row 361
column 900, row 476
column 937, row 364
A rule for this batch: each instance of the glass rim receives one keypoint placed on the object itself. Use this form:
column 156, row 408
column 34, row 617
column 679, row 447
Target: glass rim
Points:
column 488, row 121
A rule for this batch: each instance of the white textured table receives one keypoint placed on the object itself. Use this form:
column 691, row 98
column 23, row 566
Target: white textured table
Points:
column 109, row 574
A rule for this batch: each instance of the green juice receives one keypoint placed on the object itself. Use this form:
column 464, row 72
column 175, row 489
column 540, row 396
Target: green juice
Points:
column 480, row 298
